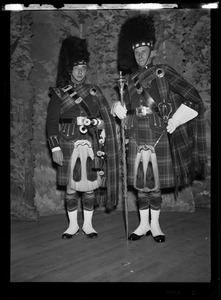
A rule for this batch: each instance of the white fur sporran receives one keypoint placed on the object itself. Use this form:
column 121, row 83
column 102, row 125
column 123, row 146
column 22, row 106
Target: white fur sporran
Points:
column 83, row 151
column 146, row 154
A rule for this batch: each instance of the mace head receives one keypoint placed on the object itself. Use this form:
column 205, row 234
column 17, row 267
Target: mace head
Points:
column 121, row 80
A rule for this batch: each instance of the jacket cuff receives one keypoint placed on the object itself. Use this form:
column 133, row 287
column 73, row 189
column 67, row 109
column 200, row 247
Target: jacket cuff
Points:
column 53, row 141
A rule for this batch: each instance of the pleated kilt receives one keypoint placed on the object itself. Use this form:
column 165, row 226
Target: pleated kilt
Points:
column 63, row 171
column 141, row 131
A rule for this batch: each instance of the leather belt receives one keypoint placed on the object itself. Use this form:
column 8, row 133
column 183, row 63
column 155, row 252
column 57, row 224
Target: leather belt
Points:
column 141, row 111
column 68, row 120
column 77, row 120
column 83, row 121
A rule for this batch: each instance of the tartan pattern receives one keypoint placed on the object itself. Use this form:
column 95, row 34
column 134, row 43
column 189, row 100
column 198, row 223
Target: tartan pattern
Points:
column 188, row 141
column 63, row 171
column 186, row 145
column 108, row 197
column 88, row 201
column 67, row 101
column 111, row 148
column 71, row 201
column 151, row 199
column 82, row 91
column 145, row 135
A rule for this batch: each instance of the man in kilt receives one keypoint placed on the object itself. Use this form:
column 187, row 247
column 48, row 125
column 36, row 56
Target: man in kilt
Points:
column 82, row 137
column 164, row 123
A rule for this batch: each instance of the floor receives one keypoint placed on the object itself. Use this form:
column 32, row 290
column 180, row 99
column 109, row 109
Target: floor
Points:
column 38, row 254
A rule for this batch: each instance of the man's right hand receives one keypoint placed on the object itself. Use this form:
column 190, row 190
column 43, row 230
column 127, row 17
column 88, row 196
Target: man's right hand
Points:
column 119, row 110
column 58, row 157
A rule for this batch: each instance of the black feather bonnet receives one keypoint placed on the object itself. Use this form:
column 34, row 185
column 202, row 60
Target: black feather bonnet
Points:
column 73, row 51
column 135, row 32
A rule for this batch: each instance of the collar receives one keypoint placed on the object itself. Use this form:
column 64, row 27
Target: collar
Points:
column 76, row 83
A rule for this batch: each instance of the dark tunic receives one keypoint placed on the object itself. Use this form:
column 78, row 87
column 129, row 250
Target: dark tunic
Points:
column 180, row 155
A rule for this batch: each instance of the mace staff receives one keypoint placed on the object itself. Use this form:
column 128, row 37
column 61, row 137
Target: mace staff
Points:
column 121, row 82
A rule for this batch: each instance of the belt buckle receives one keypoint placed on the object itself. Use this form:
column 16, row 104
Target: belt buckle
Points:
column 141, row 111
column 80, row 120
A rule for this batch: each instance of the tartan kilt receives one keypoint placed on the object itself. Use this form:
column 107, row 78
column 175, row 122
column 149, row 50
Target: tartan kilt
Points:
column 63, row 171
column 144, row 132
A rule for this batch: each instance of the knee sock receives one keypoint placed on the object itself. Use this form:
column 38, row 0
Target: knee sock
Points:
column 88, row 210
column 71, row 201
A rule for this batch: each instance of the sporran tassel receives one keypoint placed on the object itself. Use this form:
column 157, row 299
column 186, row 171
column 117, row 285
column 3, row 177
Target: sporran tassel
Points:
column 150, row 176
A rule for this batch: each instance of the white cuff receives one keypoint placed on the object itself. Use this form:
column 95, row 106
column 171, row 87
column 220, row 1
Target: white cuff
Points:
column 55, row 149
column 184, row 114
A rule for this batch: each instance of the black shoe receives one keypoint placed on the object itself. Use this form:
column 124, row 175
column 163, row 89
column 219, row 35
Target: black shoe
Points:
column 66, row 236
column 134, row 236
column 159, row 238
column 90, row 235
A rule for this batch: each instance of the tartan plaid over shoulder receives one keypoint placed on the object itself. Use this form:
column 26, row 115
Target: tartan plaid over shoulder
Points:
column 111, row 148
column 188, row 141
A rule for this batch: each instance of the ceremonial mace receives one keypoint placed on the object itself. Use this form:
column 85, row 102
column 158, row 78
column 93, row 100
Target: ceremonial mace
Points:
column 121, row 82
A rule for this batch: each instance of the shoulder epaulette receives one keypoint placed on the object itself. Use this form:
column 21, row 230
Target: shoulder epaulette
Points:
column 66, row 88
column 56, row 91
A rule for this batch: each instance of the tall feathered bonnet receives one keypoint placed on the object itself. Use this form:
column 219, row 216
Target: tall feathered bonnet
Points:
column 73, row 52
column 135, row 32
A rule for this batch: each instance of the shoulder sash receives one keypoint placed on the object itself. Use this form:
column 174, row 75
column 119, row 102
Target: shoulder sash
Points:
column 71, row 98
